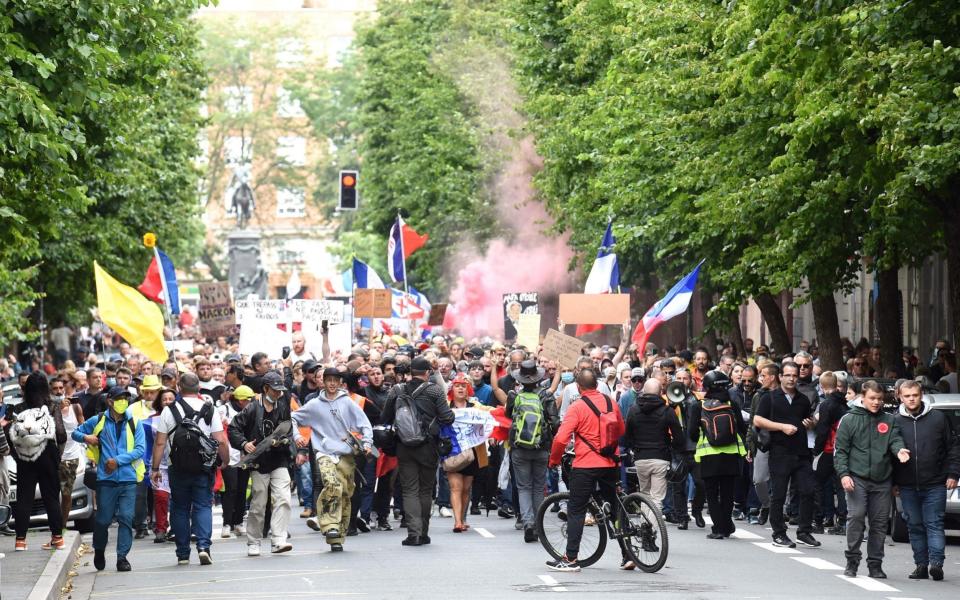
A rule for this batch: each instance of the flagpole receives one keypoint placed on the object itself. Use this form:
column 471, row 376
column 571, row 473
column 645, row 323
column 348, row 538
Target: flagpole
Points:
column 406, row 286
column 166, row 293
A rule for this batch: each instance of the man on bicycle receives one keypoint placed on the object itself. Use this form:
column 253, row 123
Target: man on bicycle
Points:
column 593, row 466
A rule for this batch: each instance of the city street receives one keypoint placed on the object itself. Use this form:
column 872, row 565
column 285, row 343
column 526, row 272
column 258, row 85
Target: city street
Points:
column 491, row 561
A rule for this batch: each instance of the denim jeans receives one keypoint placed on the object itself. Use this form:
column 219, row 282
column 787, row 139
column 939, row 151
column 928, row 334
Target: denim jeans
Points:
column 191, row 499
column 443, row 489
column 304, row 474
column 923, row 510
column 530, row 471
column 115, row 500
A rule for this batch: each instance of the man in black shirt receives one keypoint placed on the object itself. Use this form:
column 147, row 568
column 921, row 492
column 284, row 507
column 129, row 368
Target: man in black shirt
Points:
column 782, row 412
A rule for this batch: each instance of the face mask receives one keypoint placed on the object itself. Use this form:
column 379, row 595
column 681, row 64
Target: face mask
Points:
column 269, row 398
column 120, row 405
column 566, row 377
column 59, row 398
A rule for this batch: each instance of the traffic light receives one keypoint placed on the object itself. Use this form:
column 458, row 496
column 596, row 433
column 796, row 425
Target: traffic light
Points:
column 348, row 191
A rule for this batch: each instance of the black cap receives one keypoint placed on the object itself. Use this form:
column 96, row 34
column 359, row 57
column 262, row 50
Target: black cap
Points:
column 168, row 372
column 420, row 365
column 231, row 358
column 310, row 365
column 118, row 391
column 475, row 352
column 331, row 372
column 274, row 381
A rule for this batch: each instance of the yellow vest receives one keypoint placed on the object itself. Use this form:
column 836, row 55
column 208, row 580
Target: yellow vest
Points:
column 93, row 452
column 705, row 449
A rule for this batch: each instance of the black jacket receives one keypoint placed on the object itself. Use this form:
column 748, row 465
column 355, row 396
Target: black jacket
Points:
column 652, row 429
column 376, row 402
column 832, row 409
column 247, row 426
column 431, row 402
column 774, row 406
column 934, row 452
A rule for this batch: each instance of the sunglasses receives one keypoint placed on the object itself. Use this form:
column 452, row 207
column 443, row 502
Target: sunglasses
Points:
column 803, row 366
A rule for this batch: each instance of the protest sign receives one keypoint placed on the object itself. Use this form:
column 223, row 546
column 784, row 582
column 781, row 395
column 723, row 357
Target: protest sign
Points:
column 265, row 327
column 216, row 314
column 471, row 427
column 316, row 311
column 528, row 332
column 437, row 313
column 562, row 349
column 598, row 309
column 514, row 305
column 372, row 303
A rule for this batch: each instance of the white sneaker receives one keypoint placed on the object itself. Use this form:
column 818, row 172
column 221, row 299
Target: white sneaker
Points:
column 313, row 523
column 240, row 529
column 253, row 549
column 445, row 512
column 226, row 533
column 281, row 548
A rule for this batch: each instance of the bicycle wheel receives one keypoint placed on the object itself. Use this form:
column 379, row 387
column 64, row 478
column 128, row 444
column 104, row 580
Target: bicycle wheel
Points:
column 552, row 530
column 644, row 533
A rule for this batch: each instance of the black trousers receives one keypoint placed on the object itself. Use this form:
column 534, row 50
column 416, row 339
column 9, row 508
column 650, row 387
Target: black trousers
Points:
column 235, row 496
column 44, row 471
column 383, row 494
column 787, row 470
column 417, row 474
column 720, row 493
column 584, row 483
column 678, row 493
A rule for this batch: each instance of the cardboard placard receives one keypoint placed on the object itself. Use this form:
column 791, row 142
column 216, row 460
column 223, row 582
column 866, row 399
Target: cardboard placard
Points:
column 317, row 311
column 528, row 331
column 216, row 314
column 514, row 305
column 597, row 309
column 437, row 313
column 562, row 349
column 265, row 327
column 373, row 304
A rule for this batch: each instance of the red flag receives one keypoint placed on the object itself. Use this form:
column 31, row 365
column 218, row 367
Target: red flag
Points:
column 412, row 241
column 385, row 464
column 502, row 431
column 152, row 286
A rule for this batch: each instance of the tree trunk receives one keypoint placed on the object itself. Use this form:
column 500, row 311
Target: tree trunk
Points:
column 736, row 335
column 888, row 321
column 827, row 325
column 709, row 335
column 950, row 209
column 773, row 317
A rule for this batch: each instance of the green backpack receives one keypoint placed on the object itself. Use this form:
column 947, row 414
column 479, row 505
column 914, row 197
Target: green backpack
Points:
column 528, row 421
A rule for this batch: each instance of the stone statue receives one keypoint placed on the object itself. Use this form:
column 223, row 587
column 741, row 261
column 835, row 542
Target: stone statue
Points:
column 242, row 203
column 247, row 276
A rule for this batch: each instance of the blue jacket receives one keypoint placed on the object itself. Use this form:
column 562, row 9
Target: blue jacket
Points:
column 110, row 447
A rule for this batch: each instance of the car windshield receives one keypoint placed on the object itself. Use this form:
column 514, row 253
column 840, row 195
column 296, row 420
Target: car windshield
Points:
column 954, row 415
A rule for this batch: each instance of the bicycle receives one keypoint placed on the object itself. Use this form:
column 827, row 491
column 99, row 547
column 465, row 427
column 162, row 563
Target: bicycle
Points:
column 636, row 521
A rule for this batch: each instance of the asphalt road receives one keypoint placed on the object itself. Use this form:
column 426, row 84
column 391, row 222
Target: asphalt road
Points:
column 491, row 561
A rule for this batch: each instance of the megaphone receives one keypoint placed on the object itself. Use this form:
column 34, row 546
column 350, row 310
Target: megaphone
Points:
column 676, row 392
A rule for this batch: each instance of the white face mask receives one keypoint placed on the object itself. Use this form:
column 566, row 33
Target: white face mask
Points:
column 59, row 398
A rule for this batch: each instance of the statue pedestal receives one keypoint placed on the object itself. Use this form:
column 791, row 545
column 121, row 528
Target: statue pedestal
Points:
column 246, row 273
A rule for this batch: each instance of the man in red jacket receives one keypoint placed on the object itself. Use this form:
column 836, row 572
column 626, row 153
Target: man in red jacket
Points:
column 590, row 468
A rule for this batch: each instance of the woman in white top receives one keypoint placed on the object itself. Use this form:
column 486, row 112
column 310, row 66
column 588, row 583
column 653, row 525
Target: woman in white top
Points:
column 73, row 452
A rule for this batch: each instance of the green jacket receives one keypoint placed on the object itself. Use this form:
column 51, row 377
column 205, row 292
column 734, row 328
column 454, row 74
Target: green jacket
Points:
column 867, row 444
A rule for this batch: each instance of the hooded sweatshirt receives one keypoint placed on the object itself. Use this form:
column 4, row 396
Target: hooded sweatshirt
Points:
column 867, row 444
column 652, row 428
column 934, row 454
column 327, row 433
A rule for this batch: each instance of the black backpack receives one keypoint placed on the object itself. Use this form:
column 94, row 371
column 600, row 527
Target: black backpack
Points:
column 192, row 451
column 718, row 423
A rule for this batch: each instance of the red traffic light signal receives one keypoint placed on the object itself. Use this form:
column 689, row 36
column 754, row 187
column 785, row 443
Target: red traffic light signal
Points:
column 348, row 191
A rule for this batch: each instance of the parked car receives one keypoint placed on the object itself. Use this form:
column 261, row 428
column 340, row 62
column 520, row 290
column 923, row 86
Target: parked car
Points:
column 950, row 404
column 81, row 507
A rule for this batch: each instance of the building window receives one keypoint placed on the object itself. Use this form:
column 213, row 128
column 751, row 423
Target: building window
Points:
column 288, row 107
column 237, row 151
column 237, row 99
column 290, row 53
column 292, row 150
column 291, row 202
column 337, row 48
column 290, row 257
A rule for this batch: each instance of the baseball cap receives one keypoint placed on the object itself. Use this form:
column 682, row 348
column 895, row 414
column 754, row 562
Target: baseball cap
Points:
column 274, row 380
column 169, row 373
column 310, row 365
column 118, row 391
column 232, row 358
column 420, row 365
column 244, row 392
column 637, row 372
column 331, row 372
column 475, row 352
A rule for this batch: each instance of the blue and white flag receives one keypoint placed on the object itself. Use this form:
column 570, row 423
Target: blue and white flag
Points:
column 365, row 277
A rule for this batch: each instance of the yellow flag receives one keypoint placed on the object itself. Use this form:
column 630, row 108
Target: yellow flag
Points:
column 137, row 319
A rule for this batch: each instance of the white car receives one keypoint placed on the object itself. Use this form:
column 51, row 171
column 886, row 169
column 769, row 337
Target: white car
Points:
column 81, row 507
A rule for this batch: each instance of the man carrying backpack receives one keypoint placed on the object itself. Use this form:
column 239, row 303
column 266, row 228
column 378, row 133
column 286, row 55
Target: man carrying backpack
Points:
column 535, row 418
column 596, row 426
column 416, row 410
column 196, row 440
column 716, row 426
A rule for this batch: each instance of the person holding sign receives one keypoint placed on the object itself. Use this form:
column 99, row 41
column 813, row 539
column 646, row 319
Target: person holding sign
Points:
column 460, row 396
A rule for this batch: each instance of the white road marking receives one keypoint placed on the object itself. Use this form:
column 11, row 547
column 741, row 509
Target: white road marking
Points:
column 817, row 563
column 743, row 534
column 483, row 532
column 776, row 549
column 871, row 585
column 553, row 583
column 901, row 598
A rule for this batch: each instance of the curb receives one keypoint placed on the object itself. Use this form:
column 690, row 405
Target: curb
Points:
column 54, row 575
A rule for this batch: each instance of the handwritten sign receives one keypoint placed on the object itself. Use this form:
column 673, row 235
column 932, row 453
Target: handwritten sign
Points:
column 599, row 309
column 562, row 349
column 471, row 427
column 264, row 327
column 437, row 313
column 514, row 305
column 374, row 304
column 528, row 331
column 316, row 311
column 216, row 315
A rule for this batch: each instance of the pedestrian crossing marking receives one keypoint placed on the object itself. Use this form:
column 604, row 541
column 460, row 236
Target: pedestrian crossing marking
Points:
column 817, row 563
column 776, row 549
column 871, row 585
column 484, row 532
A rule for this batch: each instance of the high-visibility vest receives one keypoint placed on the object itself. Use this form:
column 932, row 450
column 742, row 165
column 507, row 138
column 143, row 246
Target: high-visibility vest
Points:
column 93, row 452
column 705, row 449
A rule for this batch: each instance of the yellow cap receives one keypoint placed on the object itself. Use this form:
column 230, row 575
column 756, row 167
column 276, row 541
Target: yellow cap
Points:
column 243, row 393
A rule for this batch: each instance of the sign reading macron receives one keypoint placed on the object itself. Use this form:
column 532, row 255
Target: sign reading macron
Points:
column 216, row 314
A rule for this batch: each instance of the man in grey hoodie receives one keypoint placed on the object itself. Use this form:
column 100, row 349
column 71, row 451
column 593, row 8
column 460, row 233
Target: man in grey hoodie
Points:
column 339, row 431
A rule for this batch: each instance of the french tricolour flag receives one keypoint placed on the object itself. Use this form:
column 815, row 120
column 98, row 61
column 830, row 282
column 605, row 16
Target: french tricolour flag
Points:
column 674, row 303
column 604, row 277
column 365, row 277
column 155, row 288
column 403, row 242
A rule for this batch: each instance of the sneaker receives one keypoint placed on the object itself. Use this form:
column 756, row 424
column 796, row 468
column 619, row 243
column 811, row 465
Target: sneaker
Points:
column 474, row 510
column 936, row 572
column 281, row 548
column 529, row 535
column 764, row 515
column 445, row 512
column 332, row 534
column 807, row 540
column 783, row 541
column 123, row 565
column 205, row 557
column 336, row 547
column 99, row 560
column 919, row 573
column 240, row 529
column 139, row 535
column 564, row 564
column 313, row 524
column 384, row 525
column 182, row 562
column 411, row 540
column 698, row 519
column 307, row 513
column 505, row 513
column 362, row 525
column 738, row 515
column 753, row 520
column 352, row 531
column 227, row 533
column 159, row 538
column 518, row 524
column 56, row 543
column 627, row 565
column 253, row 549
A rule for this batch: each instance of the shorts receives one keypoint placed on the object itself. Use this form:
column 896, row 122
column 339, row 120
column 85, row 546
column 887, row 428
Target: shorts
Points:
column 68, row 475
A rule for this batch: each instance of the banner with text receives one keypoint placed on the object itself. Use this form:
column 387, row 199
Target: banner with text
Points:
column 216, row 314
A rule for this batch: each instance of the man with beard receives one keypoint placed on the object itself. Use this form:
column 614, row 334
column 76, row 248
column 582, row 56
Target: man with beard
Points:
column 209, row 387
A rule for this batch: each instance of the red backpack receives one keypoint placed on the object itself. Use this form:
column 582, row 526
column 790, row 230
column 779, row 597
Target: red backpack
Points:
column 611, row 428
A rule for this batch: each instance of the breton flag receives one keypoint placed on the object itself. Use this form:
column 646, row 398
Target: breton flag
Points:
column 422, row 302
column 403, row 242
column 135, row 318
column 405, row 306
column 674, row 303
column 364, row 277
column 604, row 277
column 153, row 287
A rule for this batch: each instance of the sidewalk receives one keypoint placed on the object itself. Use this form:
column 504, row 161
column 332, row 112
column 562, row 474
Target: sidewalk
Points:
column 21, row 572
